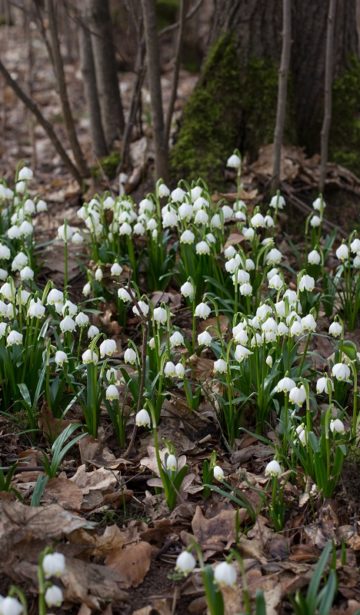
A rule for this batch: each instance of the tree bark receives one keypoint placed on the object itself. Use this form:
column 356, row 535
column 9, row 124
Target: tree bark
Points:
column 253, row 30
column 282, row 92
column 154, row 77
column 105, row 66
column 91, row 90
column 176, row 70
column 327, row 92
column 62, row 87
column 32, row 106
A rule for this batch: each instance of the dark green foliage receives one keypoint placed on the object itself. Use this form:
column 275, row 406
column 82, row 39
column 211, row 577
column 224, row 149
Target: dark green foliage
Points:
column 107, row 165
column 345, row 125
column 232, row 106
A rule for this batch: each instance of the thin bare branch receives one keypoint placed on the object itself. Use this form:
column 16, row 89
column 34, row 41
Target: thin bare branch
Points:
column 329, row 61
column 282, row 92
column 176, row 70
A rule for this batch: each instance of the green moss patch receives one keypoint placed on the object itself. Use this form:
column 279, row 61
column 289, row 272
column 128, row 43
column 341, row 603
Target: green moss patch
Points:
column 345, row 124
column 231, row 106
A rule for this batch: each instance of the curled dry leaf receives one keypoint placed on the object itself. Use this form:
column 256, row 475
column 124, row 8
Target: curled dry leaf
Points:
column 217, row 533
column 24, row 523
column 131, row 564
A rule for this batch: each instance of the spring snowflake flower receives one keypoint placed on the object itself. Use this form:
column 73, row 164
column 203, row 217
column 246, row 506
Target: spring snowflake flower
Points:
column 335, row 329
column 142, row 418
column 234, row 162
column 245, row 289
column 215, row 221
column 179, row 370
column 248, row 233
column 141, row 309
column 19, row 261
column 69, row 308
column 276, row 282
column 225, row 574
column 229, row 252
column 273, row 469
column 308, row 323
column 273, row 257
column 176, row 339
column 201, row 217
column 185, row 211
column 355, row 246
column 36, row 309
column 323, row 384
column 204, row 339
column 10, row 606
column 242, row 353
column 306, row 282
column 55, row 296
column 170, row 219
column 202, row 248
column 220, row 366
column 65, row 232
column 185, row 562
column 90, row 356
column 218, row 473
column 160, row 315
column 116, row 270
column 67, row 324
column 14, row 338
column 26, row 274
column 302, row 434
column 277, row 202
column 112, row 393
column 82, row 320
column 318, row 204
column 297, row 395
column 130, row 356
column 285, row 385
column 60, row 358
column 99, row 274
column 124, row 295
column 337, row 426
column 314, row 258
column 107, row 348
column 342, row 252
column 315, row 221
column 54, row 596
column 178, row 195
column 87, row 289
column 163, row 191
column 4, row 252
column 171, row 463
column 53, row 565
column 41, row 206
column 25, row 174
column 170, row 369
column 202, row 310
column 241, row 277
column 187, row 237
column 257, row 221
column 341, row 371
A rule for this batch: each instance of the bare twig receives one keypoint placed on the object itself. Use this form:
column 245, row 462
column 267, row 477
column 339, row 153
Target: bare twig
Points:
column 176, row 70
column 154, row 78
column 282, row 92
column 134, row 104
column 327, row 92
column 175, row 25
column 33, row 107
column 63, row 93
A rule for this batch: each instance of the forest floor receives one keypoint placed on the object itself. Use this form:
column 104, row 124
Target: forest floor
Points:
column 104, row 510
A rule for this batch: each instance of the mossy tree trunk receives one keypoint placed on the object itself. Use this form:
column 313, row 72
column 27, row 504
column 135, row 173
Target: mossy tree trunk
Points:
column 234, row 103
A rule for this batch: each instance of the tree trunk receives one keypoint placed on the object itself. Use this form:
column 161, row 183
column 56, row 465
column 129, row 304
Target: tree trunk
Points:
column 91, row 90
column 62, row 87
column 250, row 31
column 106, row 73
column 154, row 78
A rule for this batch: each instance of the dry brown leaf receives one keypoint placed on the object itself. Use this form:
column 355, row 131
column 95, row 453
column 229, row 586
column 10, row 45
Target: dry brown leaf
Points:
column 217, row 533
column 212, row 325
column 24, row 523
column 64, row 492
column 91, row 584
column 161, row 606
column 131, row 564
